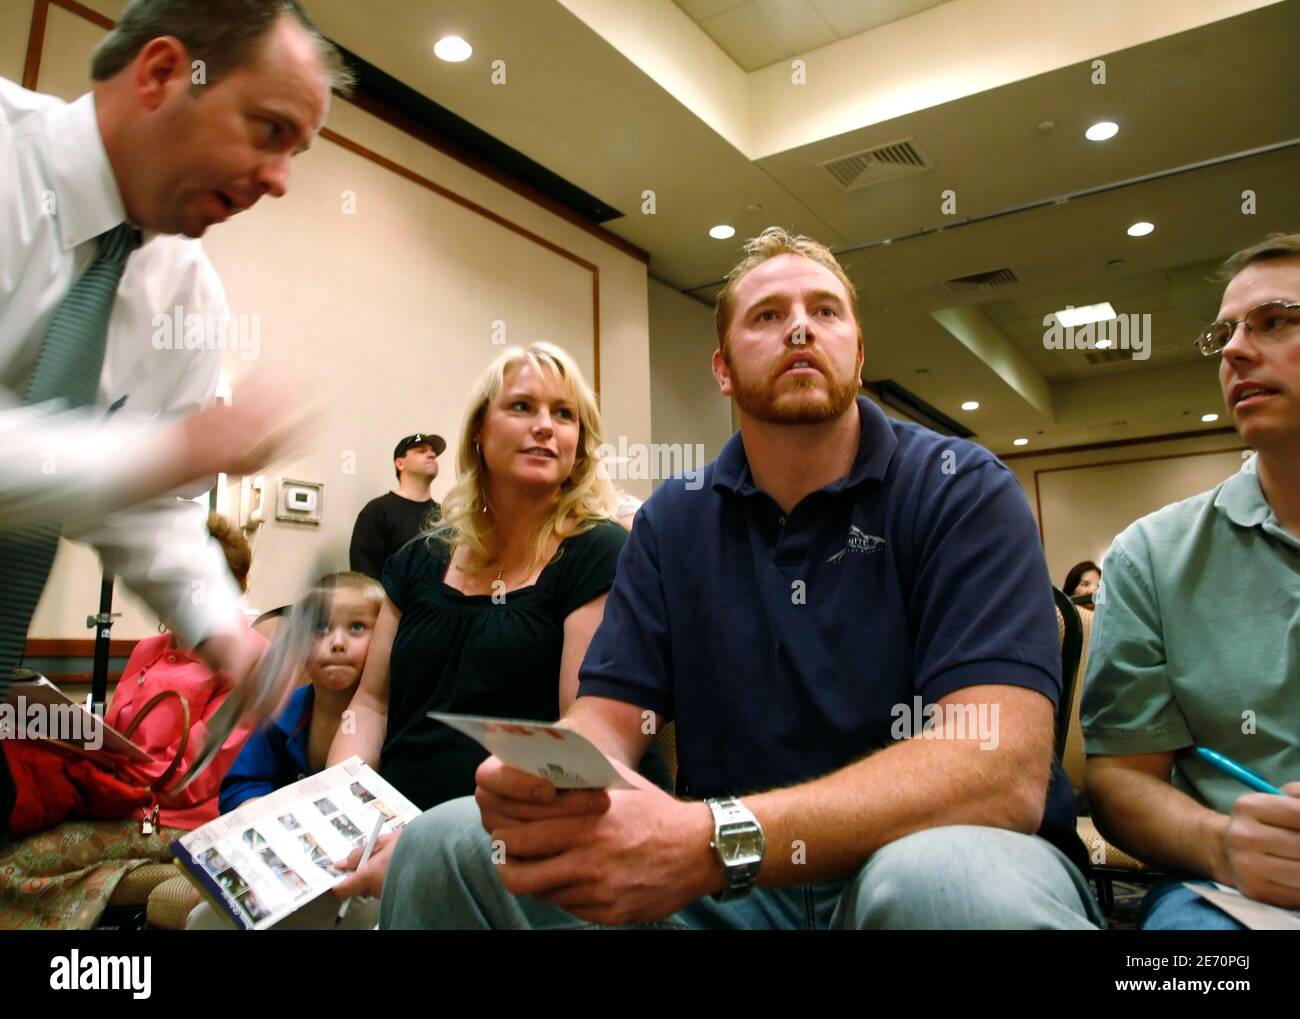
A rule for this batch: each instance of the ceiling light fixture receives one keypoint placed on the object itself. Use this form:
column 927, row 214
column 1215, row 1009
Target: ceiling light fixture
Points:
column 1101, row 130
column 971, row 405
column 1207, row 418
column 1072, row 316
column 1020, row 442
column 722, row 232
column 1140, row 229
column 453, row 49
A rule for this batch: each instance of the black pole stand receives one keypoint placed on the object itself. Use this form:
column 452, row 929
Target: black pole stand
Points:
column 102, row 624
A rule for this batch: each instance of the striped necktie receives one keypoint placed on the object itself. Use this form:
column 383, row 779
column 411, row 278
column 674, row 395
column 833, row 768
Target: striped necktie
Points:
column 68, row 367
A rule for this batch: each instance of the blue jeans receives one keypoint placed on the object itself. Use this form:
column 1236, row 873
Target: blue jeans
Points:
column 960, row 877
column 1174, row 907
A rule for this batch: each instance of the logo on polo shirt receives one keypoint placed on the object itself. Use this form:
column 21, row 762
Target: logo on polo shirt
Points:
column 859, row 541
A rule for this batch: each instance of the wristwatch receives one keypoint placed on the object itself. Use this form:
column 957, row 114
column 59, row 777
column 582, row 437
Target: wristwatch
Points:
column 738, row 841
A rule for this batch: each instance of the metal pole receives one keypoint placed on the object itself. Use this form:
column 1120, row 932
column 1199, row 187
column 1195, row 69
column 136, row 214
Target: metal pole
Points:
column 103, row 627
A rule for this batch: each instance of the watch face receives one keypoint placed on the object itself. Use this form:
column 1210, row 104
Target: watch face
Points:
column 739, row 847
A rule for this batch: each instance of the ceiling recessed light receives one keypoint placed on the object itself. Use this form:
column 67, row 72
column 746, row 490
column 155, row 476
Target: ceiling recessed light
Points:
column 1101, row 130
column 971, row 405
column 1020, row 442
column 1140, row 229
column 1207, row 418
column 1072, row 316
column 721, row 232
column 453, row 49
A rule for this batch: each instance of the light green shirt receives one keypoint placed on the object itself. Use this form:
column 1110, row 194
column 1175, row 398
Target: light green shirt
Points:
column 1196, row 641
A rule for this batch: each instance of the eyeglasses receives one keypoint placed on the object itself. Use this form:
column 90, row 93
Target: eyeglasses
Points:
column 1268, row 320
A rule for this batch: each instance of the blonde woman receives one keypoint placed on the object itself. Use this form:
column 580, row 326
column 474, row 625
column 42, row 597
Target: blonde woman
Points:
column 491, row 612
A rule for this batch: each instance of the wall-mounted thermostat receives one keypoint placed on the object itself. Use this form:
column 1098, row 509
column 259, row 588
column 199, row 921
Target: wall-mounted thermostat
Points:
column 300, row 501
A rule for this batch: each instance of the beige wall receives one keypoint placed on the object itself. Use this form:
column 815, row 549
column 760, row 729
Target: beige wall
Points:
column 385, row 315
column 15, row 20
column 686, row 405
column 1084, row 499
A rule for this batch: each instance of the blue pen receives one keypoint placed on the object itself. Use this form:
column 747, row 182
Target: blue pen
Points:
column 1238, row 771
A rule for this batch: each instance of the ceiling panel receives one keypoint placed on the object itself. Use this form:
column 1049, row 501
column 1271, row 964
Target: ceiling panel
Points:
column 579, row 107
column 849, row 17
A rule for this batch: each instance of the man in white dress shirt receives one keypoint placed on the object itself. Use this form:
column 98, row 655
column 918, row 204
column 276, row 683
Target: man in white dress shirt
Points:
column 196, row 110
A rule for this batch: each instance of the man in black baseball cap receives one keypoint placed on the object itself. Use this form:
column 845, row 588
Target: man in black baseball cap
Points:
column 387, row 523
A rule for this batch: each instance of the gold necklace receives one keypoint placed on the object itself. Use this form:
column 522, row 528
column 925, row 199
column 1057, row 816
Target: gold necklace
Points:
column 501, row 570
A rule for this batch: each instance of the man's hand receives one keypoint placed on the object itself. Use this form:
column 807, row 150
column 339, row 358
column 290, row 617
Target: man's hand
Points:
column 1262, row 845
column 369, row 880
column 264, row 422
column 642, row 857
column 233, row 657
column 507, row 797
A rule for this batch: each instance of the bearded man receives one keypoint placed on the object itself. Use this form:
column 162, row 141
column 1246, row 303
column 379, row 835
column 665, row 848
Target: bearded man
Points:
column 851, row 624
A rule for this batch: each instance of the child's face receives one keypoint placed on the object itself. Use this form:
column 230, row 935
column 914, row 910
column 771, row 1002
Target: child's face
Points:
column 340, row 652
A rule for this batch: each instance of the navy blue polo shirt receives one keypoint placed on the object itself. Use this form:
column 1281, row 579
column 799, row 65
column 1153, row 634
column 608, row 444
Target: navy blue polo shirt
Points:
column 782, row 645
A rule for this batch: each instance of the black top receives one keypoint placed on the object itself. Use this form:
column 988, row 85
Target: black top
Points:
column 465, row 654
column 383, row 526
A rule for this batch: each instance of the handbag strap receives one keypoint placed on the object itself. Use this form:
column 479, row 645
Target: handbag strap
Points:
column 134, row 724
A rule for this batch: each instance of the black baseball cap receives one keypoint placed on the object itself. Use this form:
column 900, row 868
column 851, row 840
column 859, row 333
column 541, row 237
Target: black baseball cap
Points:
column 438, row 443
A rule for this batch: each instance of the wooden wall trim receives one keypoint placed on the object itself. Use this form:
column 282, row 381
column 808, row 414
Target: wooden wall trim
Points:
column 1116, row 443
column 1139, row 459
column 91, row 15
column 63, row 680
column 448, row 148
column 35, row 42
column 76, row 647
column 466, row 203
column 1038, row 499
column 31, row 73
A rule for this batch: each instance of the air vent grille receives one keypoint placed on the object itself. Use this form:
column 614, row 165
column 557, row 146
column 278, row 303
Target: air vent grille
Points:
column 978, row 282
column 873, row 166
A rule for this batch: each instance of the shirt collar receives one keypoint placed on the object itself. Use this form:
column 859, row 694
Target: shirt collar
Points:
column 87, row 199
column 876, row 447
column 1241, row 500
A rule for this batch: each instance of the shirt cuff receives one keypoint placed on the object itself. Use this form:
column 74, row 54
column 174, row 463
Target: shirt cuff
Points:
column 992, row 672
column 639, row 697
column 1112, row 743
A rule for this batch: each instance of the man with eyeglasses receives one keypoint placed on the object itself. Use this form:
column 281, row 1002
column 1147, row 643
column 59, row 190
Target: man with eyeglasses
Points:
column 1196, row 641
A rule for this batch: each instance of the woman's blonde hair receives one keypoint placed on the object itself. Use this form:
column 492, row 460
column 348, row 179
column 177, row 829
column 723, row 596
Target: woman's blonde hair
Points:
column 586, row 497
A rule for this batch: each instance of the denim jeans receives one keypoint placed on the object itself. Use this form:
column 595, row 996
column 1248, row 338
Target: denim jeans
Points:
column 1175, row 907
column 960, row 877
